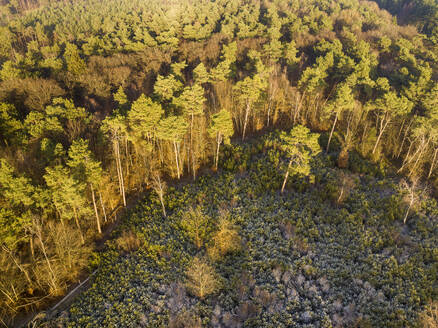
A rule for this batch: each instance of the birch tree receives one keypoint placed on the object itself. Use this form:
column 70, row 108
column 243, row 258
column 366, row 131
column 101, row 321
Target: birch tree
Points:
column 412, row 194
column 159, row 186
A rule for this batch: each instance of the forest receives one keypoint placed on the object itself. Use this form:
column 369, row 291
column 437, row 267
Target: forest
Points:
column 283, row 152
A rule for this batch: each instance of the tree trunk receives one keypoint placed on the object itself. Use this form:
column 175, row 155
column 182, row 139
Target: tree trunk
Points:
column 248, row 108
column 286, row 176
column 394, row 152
column 341, row 194
column 433, row 163
column 219, row 140
column 162, row 200
column 162, row 204
column 32, row 248
column 408, row 159
column 78, row 225
column 403, row 140
column 176, row 159
column 159, row 189
column 271, row 96
column 382, row 128
column 117, row 166
column 102, row 205
column 298, row 105
column 191, row 152
column 424, row 145
column 364, row 133
column 331, row 132
column 269, row 112
column 19, row 266
column 119, row 170
column 160, row 151
column 193, row 165
column 128, row 158
column 122, row 183
column 99, row 230
column 407, row 211
column 43, row 248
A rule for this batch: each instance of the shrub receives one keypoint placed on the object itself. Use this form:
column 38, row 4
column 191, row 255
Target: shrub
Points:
column 429, row 317
column 345, row 184
column 225, row 240
column 185, row 319
column 128, row 241
column 195, row 223
column 201, row 278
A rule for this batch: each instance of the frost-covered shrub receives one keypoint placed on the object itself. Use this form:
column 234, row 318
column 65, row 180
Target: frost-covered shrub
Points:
column 304, row 260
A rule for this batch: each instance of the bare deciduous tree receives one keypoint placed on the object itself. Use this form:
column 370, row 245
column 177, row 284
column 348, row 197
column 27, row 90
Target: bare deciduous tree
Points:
column 159, row 187
column 201, row 278
column 412, row 192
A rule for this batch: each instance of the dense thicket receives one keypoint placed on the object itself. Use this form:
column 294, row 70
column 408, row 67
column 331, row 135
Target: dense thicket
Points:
column 103, row 99
column 331, row 251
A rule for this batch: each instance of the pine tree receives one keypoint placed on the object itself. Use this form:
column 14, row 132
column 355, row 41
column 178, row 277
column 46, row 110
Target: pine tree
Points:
column 11, row 128
column 191, row 101
column 221, row 128
column 223, row 69
column 17, row 200
column 75, row 64
column 67, row 195
column 120, row 97
column 248, row 91
column 172, row 129
column 342, row 101
column 166, row 87
column 144, row 116
column 116, row 128
column 300, row 146
column 387, row 108
column 178, row 68
column 87, row 170
column 200, row 74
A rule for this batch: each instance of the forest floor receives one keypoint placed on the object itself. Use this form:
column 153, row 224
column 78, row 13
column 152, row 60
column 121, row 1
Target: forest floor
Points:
column 305, row 259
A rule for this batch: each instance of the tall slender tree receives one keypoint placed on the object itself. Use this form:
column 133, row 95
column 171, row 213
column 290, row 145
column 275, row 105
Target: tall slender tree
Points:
column 192, row 102
column 67, row 195
column 115, row 127
column 389, row 106
column 221, row 128
column 248, row 91
column 87, row 170
column 144, row 116
column 342, row 101
column 172, row 129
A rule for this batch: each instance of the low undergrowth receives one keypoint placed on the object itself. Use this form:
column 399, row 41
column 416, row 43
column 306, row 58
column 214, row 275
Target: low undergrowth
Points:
column 310, row 257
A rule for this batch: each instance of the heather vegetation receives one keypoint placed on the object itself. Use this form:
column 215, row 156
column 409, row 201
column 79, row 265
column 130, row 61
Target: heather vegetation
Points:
column 105, row 101
column 234, row 251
